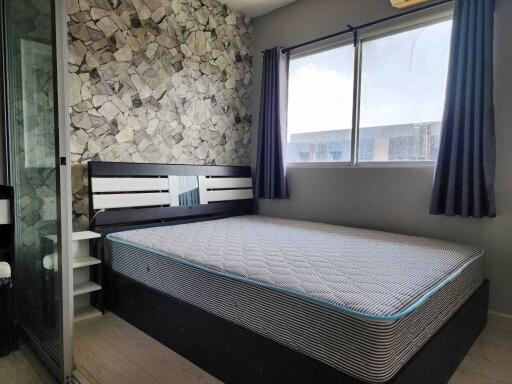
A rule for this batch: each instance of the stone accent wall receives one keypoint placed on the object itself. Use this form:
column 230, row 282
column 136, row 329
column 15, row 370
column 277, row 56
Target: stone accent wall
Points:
column 157, row 81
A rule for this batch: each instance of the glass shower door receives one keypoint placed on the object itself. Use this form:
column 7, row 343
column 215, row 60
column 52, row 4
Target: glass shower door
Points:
column 35, row 43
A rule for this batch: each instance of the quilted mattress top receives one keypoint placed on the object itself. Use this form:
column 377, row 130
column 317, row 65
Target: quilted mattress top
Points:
column 370, row 274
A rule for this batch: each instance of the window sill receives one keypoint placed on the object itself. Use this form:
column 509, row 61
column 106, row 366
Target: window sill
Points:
column 369, row 164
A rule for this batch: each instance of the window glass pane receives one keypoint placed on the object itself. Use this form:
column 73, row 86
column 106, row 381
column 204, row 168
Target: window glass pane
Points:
column 320, row 106
column 403, row 83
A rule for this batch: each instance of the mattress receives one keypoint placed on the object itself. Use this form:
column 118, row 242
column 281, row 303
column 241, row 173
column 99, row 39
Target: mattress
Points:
column 361, row 301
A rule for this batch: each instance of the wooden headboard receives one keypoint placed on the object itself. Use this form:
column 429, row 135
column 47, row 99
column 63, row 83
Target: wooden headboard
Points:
column 127, row 195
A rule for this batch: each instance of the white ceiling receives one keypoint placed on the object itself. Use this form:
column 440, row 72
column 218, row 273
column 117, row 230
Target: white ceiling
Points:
column 255, row 8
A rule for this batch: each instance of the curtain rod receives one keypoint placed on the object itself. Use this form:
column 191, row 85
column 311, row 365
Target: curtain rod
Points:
column 351, row 29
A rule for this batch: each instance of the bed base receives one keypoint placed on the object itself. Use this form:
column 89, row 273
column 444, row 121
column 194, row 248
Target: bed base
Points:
column 227, row 351
column 236, row 355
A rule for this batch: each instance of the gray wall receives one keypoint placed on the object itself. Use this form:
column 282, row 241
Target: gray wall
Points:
column 393, row 199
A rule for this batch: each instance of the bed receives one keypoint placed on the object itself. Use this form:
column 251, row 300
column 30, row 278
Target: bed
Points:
column 261, row 299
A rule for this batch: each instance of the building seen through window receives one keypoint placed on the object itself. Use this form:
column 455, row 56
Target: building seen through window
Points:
column 405, row 142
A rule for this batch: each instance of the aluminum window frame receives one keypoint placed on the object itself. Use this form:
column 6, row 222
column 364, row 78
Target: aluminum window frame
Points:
column 407, row 23
column 338, row 42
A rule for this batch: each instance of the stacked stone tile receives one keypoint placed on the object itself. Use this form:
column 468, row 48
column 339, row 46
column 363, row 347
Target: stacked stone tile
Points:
column 157, row 81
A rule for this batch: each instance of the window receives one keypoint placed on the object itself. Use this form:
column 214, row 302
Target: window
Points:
column 403, row 81
column 320, row 102
column 401, row 99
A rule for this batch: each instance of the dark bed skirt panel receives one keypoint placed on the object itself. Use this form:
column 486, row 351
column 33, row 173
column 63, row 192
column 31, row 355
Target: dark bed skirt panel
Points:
column 236, row 355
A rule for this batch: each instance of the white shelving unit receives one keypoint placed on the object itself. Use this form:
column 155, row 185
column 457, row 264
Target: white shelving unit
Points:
column 82, row 264
column 82, row 284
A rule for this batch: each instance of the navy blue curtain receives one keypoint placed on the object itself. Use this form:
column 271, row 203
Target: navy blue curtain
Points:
column 464, row 177
column 270, row 167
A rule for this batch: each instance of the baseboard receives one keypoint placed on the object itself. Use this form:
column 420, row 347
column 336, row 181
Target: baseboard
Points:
column 500, row 315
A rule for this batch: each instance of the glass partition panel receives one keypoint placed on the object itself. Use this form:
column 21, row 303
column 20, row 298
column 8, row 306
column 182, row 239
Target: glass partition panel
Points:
column 34, row 172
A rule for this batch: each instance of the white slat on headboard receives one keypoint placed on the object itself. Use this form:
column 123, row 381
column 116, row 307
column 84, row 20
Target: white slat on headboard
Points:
column 128, row 200
column 228, row 182
column 230, row 194
column 128, row 184
column 213, row 189
column 5, row 211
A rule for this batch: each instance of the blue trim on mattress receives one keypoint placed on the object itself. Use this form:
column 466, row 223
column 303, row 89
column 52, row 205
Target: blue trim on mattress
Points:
column 302, row 296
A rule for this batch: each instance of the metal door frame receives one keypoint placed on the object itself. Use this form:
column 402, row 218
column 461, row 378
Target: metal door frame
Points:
column 65, row 198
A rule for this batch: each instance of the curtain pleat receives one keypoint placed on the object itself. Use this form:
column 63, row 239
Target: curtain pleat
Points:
column 270, row 167
column 465, row 172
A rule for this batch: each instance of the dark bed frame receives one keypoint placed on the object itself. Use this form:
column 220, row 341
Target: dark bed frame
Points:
column 230, row 352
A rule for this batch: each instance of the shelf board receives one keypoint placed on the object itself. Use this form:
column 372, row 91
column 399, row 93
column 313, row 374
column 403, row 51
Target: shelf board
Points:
column 77, row 236
column 85, row 235
column 85, row 261
column 85, row 287
column 85, row 313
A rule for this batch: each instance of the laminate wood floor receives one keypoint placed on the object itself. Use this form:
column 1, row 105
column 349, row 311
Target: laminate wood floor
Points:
column 490, row 358
column 22, row 367
column 110, row 350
